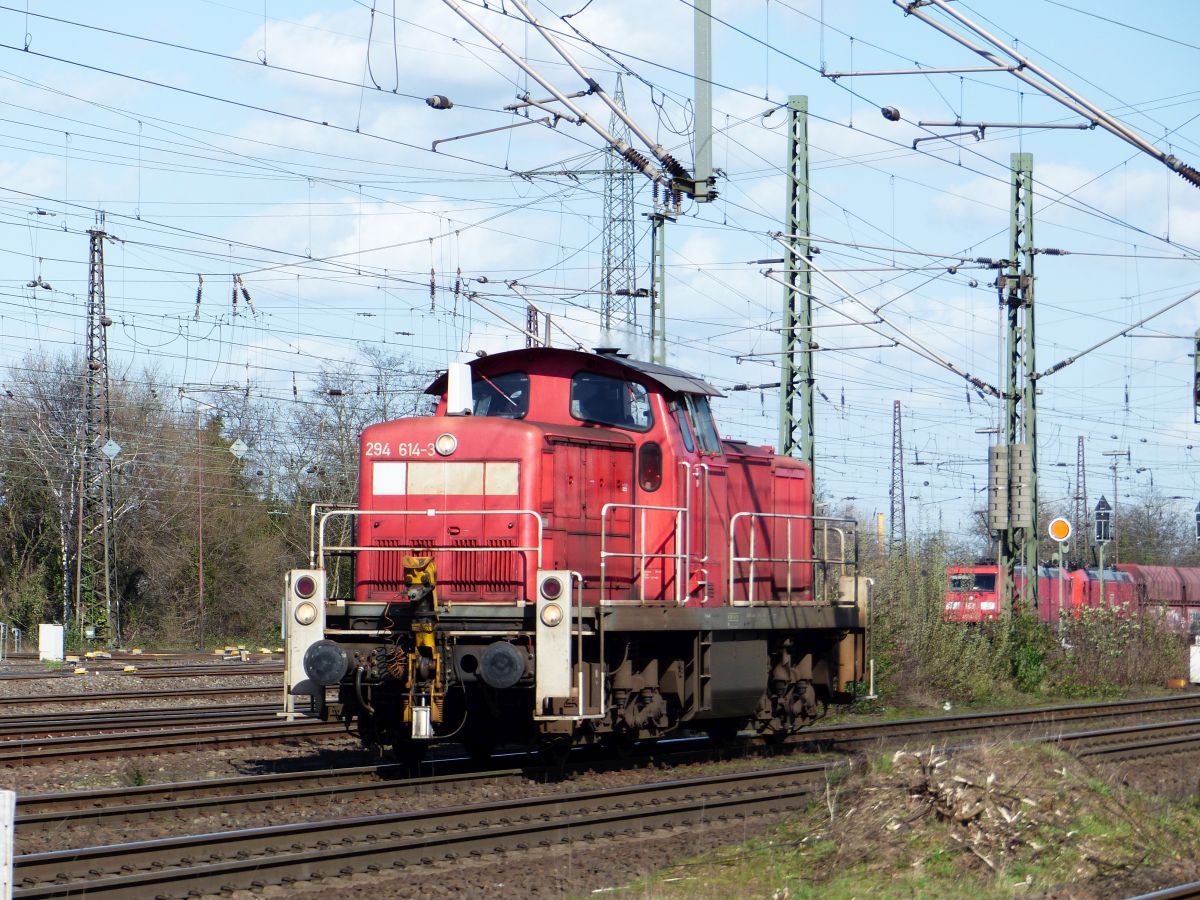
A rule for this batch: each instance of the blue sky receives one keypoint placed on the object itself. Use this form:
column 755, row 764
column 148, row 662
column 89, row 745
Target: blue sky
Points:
column 289, row 144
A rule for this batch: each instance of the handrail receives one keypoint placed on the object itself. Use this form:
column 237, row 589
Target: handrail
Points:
column 323, row 548
column 312, row 527
column 680, row 554
column 840, row 528
column 704, row 498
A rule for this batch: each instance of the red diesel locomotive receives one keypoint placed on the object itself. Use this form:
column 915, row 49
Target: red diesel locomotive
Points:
column 568, row 551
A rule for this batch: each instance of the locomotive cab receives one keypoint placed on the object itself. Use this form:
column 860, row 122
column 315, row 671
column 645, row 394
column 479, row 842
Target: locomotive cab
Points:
column 568, row 551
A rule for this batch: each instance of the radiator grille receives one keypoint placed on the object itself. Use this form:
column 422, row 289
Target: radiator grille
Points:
column 493, row 571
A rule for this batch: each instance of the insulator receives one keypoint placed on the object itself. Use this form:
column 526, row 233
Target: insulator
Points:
column 672, row 165
column 891, row 113
column 94, row 365
column 439, row 101
column 1188, row 174
column 106, row 322
column 635, row 158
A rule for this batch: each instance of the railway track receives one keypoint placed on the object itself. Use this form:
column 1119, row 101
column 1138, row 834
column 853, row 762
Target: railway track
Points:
column 278, row 854
column 253, row 858
column 232, row 794
column 164, row 740
column 161, row 737
column 942, row 728
column 141, row 696
column 26, row 727
column 108, row 668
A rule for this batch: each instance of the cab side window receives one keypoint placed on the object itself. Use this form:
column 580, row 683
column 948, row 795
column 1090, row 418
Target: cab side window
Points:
column 702, row 423
column 610, row 401
column 685, row 430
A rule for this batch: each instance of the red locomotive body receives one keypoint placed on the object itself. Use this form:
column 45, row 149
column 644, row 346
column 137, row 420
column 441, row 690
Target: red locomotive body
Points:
column 567, row 549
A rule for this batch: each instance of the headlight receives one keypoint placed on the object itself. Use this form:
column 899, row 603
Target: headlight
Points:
column 552, row 614
column 305, row 586
column 552, row 588
column 445, row 444
column 306, row 613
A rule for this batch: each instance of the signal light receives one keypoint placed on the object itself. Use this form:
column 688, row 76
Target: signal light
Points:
column 305, row 587
column 552, row 614
column 552, row 588
column 306, row 613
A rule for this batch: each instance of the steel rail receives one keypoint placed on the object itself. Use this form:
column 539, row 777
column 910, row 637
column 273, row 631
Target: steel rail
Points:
column 1176, row 892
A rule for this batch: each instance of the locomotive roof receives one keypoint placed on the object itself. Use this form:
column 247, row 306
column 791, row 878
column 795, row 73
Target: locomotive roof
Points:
column 674, row 380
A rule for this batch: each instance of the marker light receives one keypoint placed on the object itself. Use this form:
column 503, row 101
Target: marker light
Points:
column 306, row 613
column 552, row 614
column 445, row 444
column 552, row 588
column 305, row 586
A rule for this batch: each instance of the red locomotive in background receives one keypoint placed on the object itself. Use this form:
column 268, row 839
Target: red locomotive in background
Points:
column 972, row 593
column 568, row 551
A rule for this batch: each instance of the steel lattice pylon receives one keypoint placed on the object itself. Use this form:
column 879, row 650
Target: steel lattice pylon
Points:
column 93, row 550
column 796, row 418
column 1019, row 541
column 619, row 278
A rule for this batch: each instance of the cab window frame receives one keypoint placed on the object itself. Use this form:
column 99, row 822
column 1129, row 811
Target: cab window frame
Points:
column 703, row 426
column 577, row 411
column 501, row 392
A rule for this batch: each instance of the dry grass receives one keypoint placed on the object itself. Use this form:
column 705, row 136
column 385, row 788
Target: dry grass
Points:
column 989, row 822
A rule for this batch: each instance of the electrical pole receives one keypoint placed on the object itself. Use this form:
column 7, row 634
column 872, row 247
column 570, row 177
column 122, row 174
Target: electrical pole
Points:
column 796, row 379
column 619, row 277
column 1018, row 545
column 658, row 290
column 531, row 326
column 1083, row 523
column 898, row 537
column 1116, row 516
column 93, row 547
column 702, row 58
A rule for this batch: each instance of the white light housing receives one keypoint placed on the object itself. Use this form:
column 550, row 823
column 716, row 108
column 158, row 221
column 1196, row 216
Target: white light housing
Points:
column 306, row 613
column 445, row 444
column 459, row 397
column 551, row 614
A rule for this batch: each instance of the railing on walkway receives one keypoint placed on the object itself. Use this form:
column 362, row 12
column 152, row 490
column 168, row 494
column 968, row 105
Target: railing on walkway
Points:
column 833, row 553
column 641, row 555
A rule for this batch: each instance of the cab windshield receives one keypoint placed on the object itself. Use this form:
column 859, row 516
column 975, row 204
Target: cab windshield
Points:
column 501, row 396
column 973, row 581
